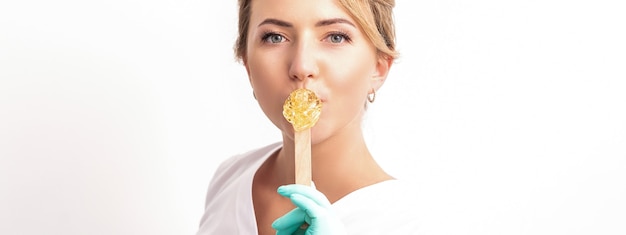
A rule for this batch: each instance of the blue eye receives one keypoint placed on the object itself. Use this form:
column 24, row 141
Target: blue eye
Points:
column 338, row 37
column 273, row 38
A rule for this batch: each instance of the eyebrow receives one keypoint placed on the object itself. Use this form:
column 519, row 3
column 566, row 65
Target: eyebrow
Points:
column 320, row 23
column 276, row 22
column 334, row 21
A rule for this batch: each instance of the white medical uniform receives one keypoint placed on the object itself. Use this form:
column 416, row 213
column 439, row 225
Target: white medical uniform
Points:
column 382, row 208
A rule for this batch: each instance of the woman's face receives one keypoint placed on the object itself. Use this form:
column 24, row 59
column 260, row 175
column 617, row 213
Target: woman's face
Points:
column 314, row 45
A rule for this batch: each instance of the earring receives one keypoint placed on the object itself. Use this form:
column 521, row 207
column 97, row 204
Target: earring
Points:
column 371, row 96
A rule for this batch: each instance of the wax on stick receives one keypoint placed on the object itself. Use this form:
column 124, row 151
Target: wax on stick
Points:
column 302, row 109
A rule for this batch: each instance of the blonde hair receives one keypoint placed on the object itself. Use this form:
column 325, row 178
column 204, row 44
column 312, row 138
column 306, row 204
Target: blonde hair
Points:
column 374, row 17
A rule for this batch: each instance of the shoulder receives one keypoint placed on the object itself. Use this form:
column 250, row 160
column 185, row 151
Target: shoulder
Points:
column 382, row 208
column 241, row 162
column 390, row 195
column 235, row 166
column 228, row 205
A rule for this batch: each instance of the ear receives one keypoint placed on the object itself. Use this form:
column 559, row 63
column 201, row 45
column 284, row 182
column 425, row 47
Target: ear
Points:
column 383, row 64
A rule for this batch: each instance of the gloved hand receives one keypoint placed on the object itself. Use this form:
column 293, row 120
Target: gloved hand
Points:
column 313, row 208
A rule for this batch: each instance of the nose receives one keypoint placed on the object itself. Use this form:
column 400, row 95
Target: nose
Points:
column 304, row 62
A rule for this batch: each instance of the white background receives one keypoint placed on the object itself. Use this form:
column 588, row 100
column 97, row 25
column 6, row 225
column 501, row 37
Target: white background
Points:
column 509, row 115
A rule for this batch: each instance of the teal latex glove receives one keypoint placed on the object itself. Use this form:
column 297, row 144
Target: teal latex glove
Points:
column 313, row 208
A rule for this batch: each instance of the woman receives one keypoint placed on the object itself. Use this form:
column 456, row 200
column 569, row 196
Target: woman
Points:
column 342, row 50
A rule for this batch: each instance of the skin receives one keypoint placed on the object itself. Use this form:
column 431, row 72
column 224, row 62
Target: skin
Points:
column 318, row 46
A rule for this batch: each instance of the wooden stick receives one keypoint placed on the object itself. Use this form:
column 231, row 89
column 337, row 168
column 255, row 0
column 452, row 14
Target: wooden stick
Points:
column 302, row 145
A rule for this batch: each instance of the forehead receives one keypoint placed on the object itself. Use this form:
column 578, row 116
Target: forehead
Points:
column 296, row 11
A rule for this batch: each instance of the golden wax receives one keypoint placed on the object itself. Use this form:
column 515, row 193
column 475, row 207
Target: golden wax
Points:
column 302, row 109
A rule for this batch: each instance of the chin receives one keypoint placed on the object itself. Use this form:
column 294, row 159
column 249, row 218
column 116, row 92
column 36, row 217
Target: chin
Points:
column 319, row 133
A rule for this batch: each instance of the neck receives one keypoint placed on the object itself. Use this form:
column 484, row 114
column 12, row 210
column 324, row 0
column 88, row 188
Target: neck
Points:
column 340, row 164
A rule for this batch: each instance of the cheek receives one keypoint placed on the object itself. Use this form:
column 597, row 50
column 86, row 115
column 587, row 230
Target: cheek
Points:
column 268, row 82
column 261, row 70
column 351, row 80
column 266, row 75
column 347, row 91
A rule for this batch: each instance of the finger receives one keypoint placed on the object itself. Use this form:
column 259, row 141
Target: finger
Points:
column 289, row 230
column 313, row 194
column 300, row 231
column 294, row 217
column 310, row 207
